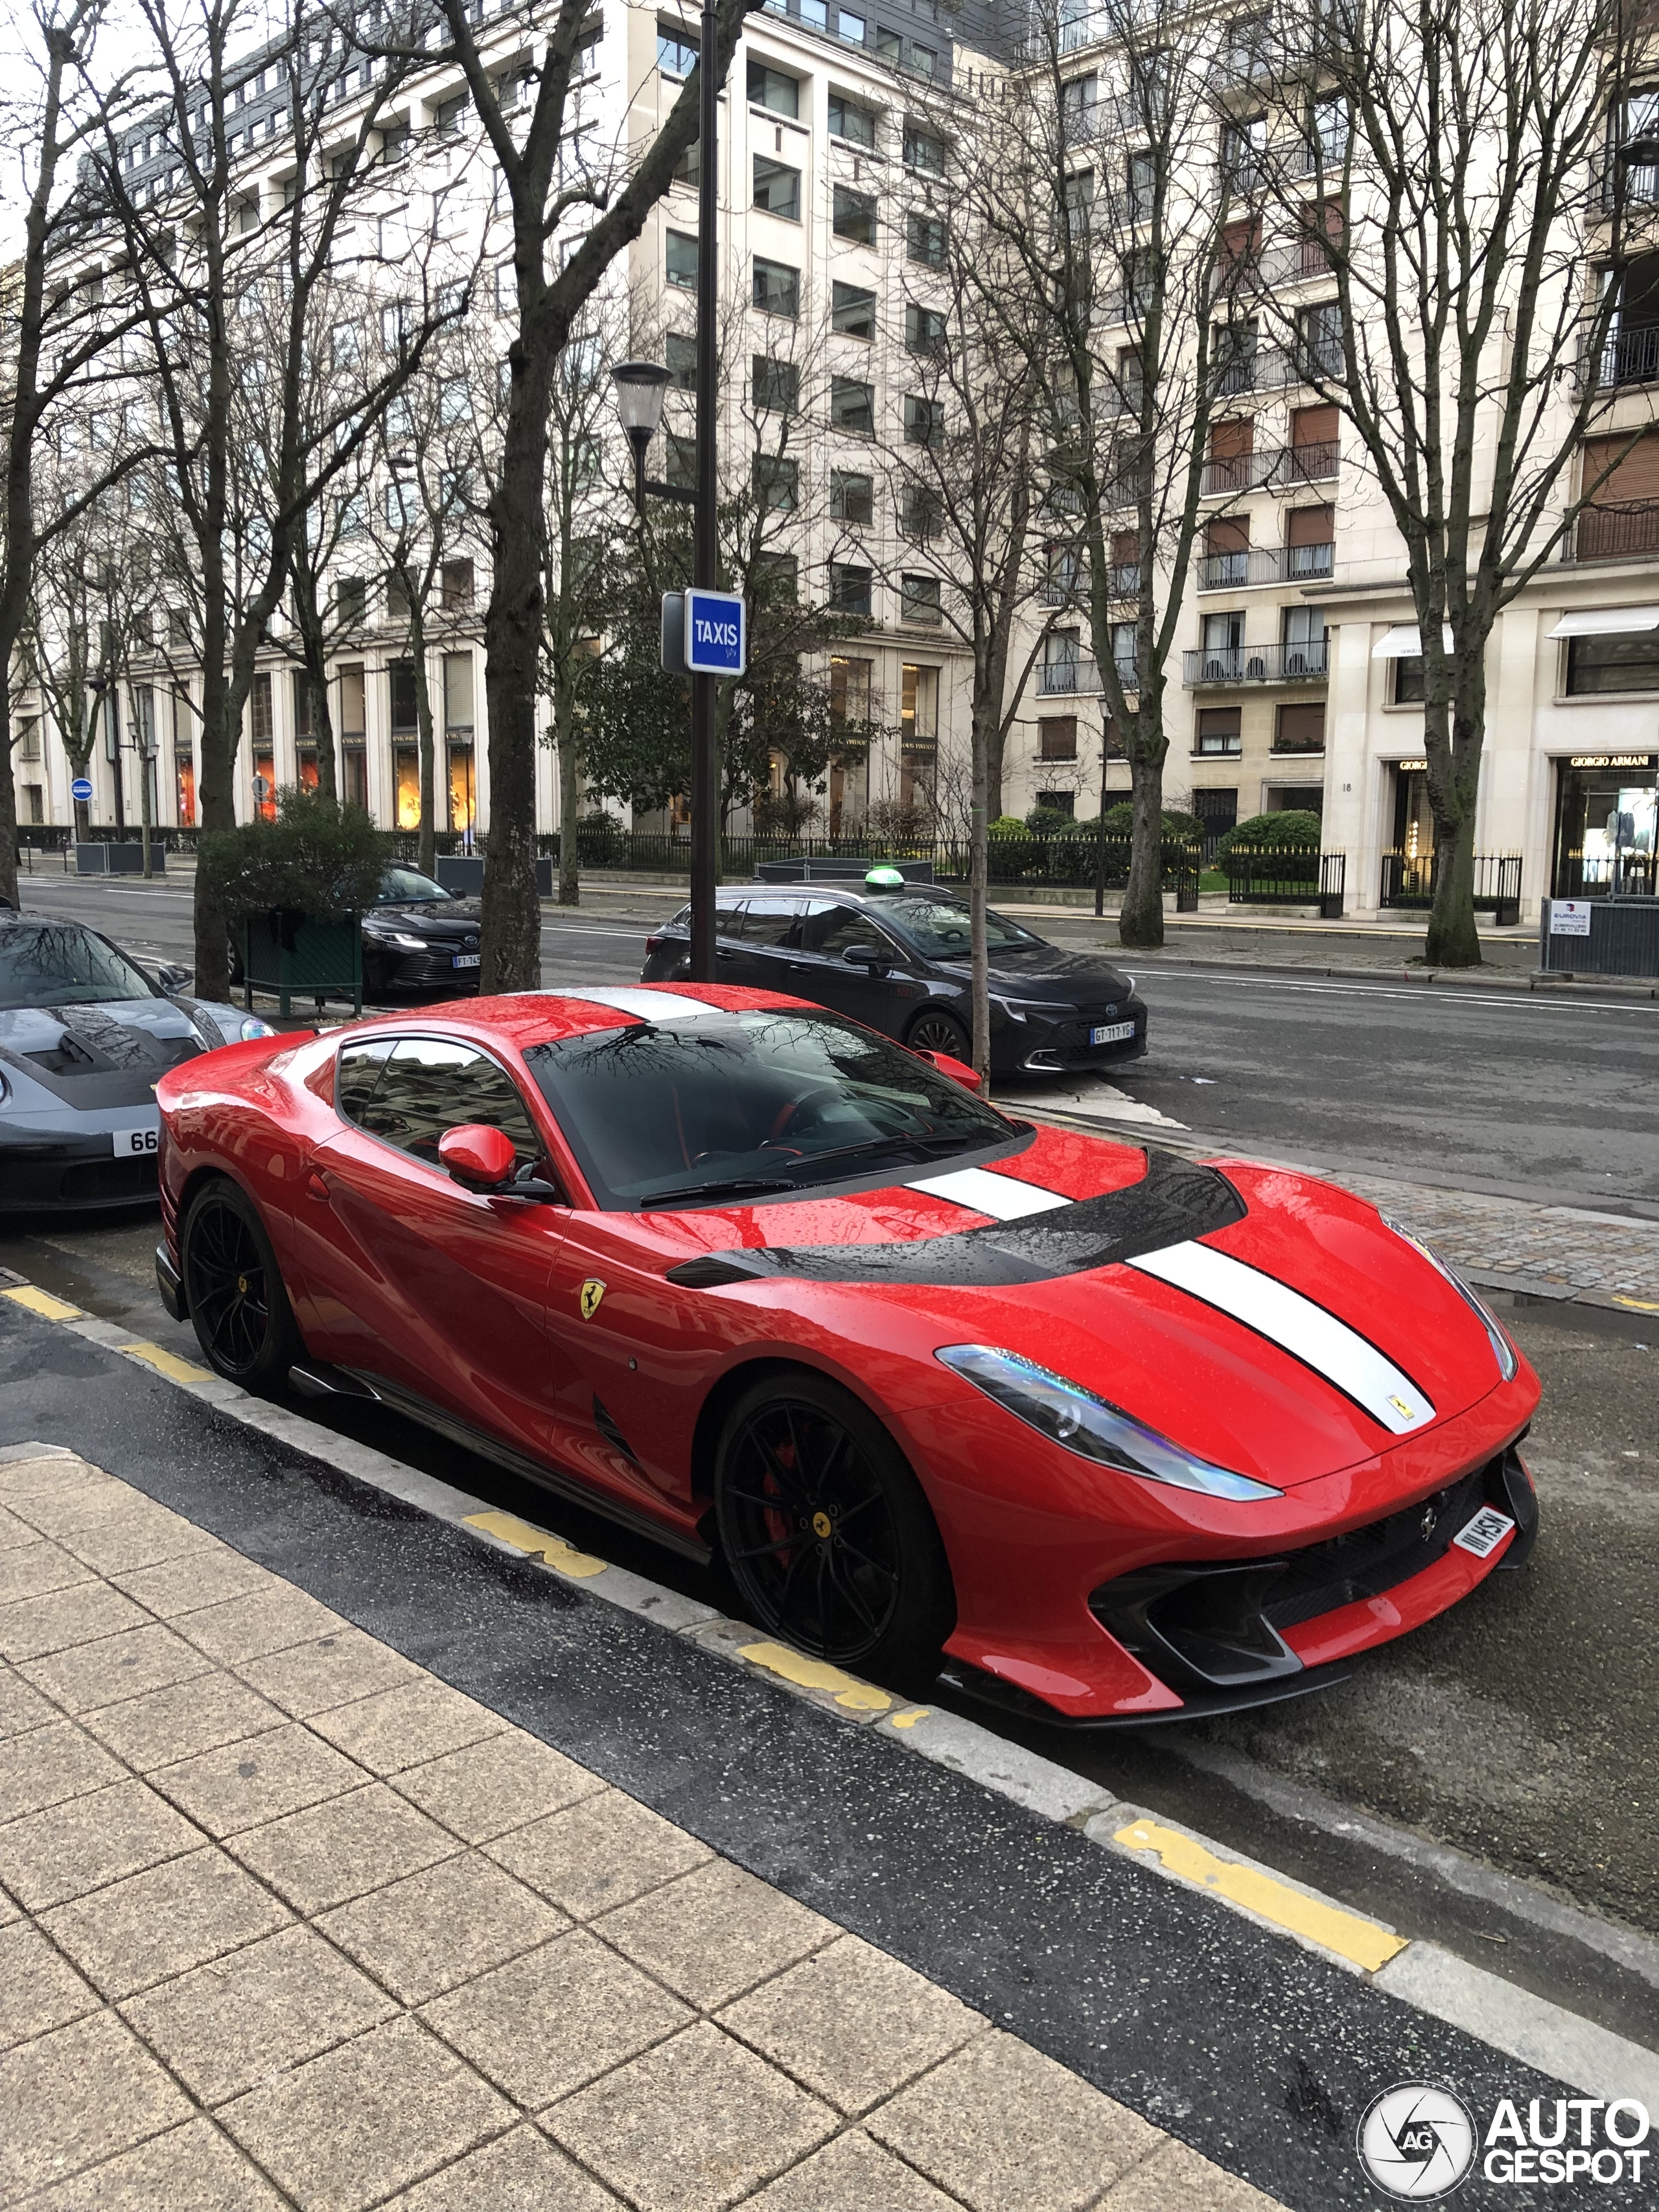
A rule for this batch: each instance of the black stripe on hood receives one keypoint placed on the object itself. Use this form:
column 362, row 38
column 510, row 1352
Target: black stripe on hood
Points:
column 1174, row 1200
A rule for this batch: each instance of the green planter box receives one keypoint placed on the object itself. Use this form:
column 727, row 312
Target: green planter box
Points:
column 299, row 954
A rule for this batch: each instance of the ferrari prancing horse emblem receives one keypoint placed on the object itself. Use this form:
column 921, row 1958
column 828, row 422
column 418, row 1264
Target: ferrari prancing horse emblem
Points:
column 592, row 1291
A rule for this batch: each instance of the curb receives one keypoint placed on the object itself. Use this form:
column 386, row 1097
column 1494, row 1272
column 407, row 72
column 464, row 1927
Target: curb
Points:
column 1531, row 2029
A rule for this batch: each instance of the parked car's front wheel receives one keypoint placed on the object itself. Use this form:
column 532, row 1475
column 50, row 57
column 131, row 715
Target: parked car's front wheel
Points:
column 826, row 1531
column 244, row 1322
column 935, row 1031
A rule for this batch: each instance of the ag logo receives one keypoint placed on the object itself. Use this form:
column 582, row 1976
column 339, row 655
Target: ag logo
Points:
column 592, row 1291
column 1417, row 2142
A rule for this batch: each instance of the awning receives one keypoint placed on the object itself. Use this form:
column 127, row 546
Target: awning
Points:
column 1606, row 622
column 1403, row 643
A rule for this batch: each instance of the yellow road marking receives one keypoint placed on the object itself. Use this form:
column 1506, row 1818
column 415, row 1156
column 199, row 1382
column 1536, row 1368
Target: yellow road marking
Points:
column 166, row 1362
column 909, row 1719
column 1346, row 1933
column 1641, row 1305
column 43, row 1302
column 551, row 1550
column 815, row 1674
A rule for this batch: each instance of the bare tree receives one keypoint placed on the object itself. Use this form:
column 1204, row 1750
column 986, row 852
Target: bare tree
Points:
column 545, row 174
column 1098, row 172
column 1457, row 174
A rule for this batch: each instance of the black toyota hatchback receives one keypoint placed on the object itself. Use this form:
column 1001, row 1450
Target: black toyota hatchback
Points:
column 897, row 960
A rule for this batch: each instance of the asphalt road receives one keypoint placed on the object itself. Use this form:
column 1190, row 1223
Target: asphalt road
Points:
column 1497, row 1090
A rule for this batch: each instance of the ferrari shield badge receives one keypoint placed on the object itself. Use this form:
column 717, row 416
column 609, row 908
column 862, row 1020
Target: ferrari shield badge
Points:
column 592, row 1291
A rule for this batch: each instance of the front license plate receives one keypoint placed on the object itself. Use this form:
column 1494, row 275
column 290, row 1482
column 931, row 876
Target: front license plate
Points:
column 1485, row 1533
column 136, row 1143
column 1111, row 1032
column 466, row 959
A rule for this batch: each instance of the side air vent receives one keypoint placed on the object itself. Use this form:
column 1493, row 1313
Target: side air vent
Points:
column 604, row 1422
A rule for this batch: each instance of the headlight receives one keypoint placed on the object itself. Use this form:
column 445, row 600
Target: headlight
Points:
column 1069, row 1415
column 1021, row 1010
column 1502, row 1351
column 253, row 1027
column 402, row 939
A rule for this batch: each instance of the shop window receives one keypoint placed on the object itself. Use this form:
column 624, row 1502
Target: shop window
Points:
column 406, row 788
column 918, row 707
column 849, row 689
column 183, row 779
column 354, row 776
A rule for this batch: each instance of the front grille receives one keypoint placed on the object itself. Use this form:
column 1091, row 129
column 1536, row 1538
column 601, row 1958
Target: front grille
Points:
column 1211, row 1624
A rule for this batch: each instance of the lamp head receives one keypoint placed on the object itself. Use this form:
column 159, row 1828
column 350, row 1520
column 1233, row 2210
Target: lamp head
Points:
column 640, row 386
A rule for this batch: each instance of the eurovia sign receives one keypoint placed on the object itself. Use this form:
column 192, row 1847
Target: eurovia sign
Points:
column 704, row 633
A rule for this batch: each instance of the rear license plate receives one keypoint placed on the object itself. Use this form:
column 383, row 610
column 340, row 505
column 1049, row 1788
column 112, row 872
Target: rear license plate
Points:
column 1111, row 1032
column 1485, row 1533
column 467, row 960
column 139, row 1144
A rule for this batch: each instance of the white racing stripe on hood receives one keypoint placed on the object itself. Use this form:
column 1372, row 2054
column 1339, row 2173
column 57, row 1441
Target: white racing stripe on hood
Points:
column 1005, row 1198
column 1305, row 1330
column 649, row 1005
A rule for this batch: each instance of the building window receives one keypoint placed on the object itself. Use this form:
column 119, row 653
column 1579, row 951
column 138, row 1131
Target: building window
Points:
column 777, row 482
column 1218, row 809
column 1218, row 730
column 924, row 421
column 682, row 269
column 852, row 406
column 924, row 330
column 400, row 678
column 456, row 584
column 923, row 151
column 924, row 240
column 682, row 462
column 1058, row 802
column 775, row 385
column 458, row 695
column 1319, row 340
column 852, row 311
column 918, row 708
column 676, row 53
column 771, row 88
column 688, row 170
column 920, row 512
column 350, row 601
column 682, row 359
column 852, row 496
column 849, row 689
column 776, row 288
column 918, row 599
column 1300, row 727
column 855, row 216
column 777, row 188
column 258, row 711
column 849, row 589
column 1057, row 738
column 448, row 114
column 354, row 703
column 780, row 573
column 1626, row 661
column 848, row 121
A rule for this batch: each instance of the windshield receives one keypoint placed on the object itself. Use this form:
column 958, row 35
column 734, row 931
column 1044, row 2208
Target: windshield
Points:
column 404, row 886
column 938, row 927
column 58, row 963
column 750, row 1104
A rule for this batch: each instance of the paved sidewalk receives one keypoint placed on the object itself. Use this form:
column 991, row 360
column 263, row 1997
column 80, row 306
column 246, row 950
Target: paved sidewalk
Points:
column 1580, row 1250
column 287, row 1920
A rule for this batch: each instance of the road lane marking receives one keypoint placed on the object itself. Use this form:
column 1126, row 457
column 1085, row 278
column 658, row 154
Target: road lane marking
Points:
column 44, row 1304
column 1422, row 995
column 166, row 1362
column 539, row 1543
column 1362, row 1942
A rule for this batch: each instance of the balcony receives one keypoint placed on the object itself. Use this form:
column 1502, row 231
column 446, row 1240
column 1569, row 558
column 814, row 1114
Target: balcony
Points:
column 1629, row 357
column 1614, row 533
column 1276, row 468
column 1256, row 664
column 1303, row 157
column 1067, row 679
column 1265, row 564
column 1122, row 582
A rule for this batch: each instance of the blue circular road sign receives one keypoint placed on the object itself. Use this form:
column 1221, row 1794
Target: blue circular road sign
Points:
column 81, row 789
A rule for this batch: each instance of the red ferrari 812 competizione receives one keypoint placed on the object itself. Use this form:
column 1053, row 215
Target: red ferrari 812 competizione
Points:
column 1124, row 1435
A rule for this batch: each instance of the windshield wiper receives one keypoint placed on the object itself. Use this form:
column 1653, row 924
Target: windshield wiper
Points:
column 750, row 1185
column 893, row 1145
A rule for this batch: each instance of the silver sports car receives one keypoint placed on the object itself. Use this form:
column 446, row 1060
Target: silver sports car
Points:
column 85, row 1037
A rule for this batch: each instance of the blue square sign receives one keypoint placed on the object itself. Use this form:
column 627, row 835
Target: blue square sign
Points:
column 716, row 633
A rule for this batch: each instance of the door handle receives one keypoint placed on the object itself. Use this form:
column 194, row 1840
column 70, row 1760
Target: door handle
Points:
column 316, row 1186
column 721, row 953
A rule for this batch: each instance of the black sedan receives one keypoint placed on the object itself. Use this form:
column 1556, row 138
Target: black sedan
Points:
column 416, row 937
column 897, row 959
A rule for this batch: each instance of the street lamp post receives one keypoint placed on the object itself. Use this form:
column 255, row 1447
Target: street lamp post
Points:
column 705, row 551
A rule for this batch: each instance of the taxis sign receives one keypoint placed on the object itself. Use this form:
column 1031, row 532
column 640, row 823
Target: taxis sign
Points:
column 704, row 633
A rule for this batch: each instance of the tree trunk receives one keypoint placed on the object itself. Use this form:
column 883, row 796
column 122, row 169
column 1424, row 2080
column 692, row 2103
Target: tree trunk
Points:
column 1141, row 922
column 426, row 858
column 984, row 716
column 216, row 808
column 322, row 728
column 512, row 629
column 564, row 711
column 7, row 799
column 1452, row 739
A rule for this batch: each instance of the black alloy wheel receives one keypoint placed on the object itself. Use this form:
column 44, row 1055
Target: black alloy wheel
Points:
column 826, row 1531
column 243, row 1320
column 935, row 1031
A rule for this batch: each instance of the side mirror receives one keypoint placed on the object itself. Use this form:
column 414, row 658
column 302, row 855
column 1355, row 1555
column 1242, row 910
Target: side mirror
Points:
column 173, row 978
column 868, row 956
column 957, row 1070
column 478, row 1157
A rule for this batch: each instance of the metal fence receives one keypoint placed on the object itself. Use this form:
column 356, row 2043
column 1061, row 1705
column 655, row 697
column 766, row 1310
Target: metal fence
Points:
column 1067, row 862
column 1615, row 937
column 1408, row 881
column 1287, row 875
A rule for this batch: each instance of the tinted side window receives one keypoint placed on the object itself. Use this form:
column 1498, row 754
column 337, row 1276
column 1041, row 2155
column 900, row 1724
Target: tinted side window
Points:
column 833, row 929
column 770, row 922
column 428, row 1085
column 728, row 920
column 360, row 1071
